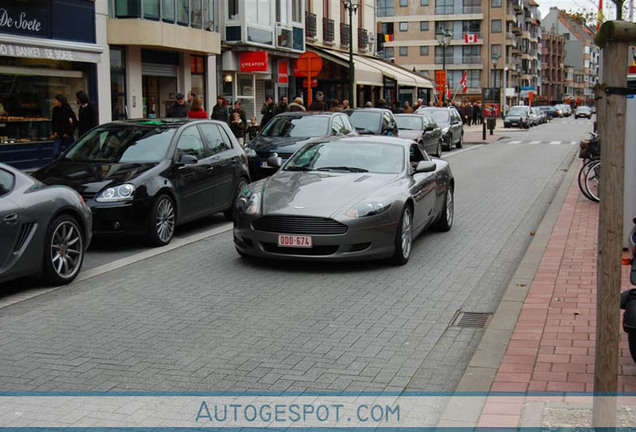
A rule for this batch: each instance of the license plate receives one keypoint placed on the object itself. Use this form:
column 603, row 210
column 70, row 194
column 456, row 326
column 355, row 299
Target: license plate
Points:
column 297, row 241
column 264, row 165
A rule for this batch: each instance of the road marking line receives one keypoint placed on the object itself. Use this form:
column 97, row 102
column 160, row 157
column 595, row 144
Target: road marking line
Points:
column 515, row 142
column 114, row 265
column 460, row 151
column 572, row 142
column 554, row 142
column 534, row 142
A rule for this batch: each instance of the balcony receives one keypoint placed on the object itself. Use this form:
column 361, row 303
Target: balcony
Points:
column 344, row 34
column 363, row 39
column 310, row 25
column 516, row 29
column 457, row 10
column 328, row 30
column 517, row 5
column 511, row 18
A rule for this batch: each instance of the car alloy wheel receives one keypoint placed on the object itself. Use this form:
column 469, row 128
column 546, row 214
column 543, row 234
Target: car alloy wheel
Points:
column 162, row 221
column 445, row 221
column 404, row 237
column 65, row 245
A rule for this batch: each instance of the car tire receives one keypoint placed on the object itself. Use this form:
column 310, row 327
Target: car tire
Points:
column 63, row 251
column 229, row 213
column 404, row 237
column 448, row 145
column 439, row 149
column 460, row 143
column 445, row 221
column 161, row 221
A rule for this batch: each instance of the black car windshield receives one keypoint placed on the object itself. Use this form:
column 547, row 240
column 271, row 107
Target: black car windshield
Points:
column 369, row 120
column 122, row 143
column 300, row 126
column 439, row 115
column 378, row 158
column 409, row 122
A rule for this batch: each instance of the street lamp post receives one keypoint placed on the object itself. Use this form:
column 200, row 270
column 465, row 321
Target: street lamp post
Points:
column 351, row 6
column 444, row 37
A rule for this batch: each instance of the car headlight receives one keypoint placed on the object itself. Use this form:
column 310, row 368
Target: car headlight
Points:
column 117, row 193
column 368, row 208
column 249, row 202
column 249, row 151
column 445, row 130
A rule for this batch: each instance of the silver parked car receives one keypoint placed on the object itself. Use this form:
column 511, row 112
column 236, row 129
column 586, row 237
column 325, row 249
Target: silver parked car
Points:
column 346, row 199
column 44, row 230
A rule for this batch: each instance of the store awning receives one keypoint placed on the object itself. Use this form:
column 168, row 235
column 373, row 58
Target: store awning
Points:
column 403, row 76
column 365, row 74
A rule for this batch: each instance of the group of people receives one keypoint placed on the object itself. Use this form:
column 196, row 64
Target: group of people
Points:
column 472, row 114
column 64, row 122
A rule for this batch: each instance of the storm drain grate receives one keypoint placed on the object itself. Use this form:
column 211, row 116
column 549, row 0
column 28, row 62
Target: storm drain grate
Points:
column 471, row 319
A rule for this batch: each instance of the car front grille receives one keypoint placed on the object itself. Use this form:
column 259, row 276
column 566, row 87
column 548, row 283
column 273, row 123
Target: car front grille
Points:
column 299, row 225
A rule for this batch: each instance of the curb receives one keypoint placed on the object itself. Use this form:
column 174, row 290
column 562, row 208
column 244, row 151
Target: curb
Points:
column 482, row 368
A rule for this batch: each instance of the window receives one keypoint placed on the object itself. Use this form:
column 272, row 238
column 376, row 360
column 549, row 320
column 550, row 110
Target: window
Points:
column 423, row 2
column 423, row 25
column 151, row 9
column 297, row 11
column 282, row 15
column 423, row 50
column 118, row 83
column 495, row 3
column 167, row 10
column 404, row 51
column 385, row 8
column 183, row 12
column 388, row 53
column 495, row 26
column 495, row 51
column 215, row 142
column 404, row 26
column 6, row 182
column 404, row 3
column 196, row 13
column 190, row 143
column 233, row 10
column 258, row 12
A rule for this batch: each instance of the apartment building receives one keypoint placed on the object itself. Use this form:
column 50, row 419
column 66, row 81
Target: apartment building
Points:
column 553, row 69
column 494, row 41
column 582, row 59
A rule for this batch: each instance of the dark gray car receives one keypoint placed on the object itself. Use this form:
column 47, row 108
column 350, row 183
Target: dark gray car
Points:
column 44, row 230
column 374, row 121
column 423, row 130
column 346, row 199
column 449, row 121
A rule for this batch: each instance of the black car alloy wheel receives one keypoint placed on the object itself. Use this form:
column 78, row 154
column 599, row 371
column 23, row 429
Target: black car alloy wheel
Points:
column 161, row 223
column 64, row 250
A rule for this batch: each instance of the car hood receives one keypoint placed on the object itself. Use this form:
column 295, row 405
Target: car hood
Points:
column 410, row 134
column 90, row 177
column 312, row 193
column 274, row 144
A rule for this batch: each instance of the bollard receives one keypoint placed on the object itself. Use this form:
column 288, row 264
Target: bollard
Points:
column 483, row 131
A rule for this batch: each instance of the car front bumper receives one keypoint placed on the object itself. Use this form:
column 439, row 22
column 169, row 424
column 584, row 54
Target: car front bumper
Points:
column 127, row 218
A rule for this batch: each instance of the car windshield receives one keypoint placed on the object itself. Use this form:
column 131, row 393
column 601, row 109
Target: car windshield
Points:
column 378, row 158
column 122, row 143
column 300, row 126
column 409, row 122
column 366, row 120
column 439, row 115
column 583, row 109
column 517, row 111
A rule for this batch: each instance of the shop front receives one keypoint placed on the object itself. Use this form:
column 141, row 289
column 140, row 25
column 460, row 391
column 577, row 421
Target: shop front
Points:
column 43, row 52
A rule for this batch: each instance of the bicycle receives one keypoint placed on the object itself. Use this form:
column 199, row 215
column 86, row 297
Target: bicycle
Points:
column 589, row 175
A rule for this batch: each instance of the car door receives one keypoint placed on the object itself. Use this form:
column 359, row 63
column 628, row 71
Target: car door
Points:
column 9, row 218
column 194, row 180
column 430, row 139
column 456, row 126
column 224, row 164
column 422, row 189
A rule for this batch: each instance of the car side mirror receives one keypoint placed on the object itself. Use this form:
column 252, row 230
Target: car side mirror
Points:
column 429, row 128
column 275, row 161
column 425, row 166
column 187, row 159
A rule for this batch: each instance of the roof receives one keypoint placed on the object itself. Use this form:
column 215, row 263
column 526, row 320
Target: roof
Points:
column 577, row 30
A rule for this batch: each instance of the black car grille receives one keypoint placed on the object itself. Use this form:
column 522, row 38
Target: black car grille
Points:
column 25, row 231
column 314, row 251
column 299, row 225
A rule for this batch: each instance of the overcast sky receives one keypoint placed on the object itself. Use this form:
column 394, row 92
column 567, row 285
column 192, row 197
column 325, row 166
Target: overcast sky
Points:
column 574, row 5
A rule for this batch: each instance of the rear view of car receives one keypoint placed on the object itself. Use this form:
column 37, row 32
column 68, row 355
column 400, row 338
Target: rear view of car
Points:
column 517, row 116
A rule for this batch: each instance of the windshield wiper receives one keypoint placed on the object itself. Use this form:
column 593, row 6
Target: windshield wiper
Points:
column 342, row 168
column 364, row 130
column 297, row 168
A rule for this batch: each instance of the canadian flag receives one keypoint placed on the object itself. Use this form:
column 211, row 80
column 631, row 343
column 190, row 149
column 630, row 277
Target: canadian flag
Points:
column 463, row 85
column 470, row 38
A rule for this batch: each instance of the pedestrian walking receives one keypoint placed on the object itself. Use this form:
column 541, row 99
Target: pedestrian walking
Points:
column 180, row 108
column 219, row 111
column 87, row 117
column 63, row 124
column 319, row 103
column 238, row 128
column 283, row 105
column 197, row 111
column 268, row 110
column 296, row 105
column 407, row 108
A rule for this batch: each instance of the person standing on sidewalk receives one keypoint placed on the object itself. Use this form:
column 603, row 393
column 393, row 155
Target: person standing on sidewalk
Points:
column 180, row 108
column 87, row 117
column 63, row 124
column 268, row 110
column 197, row 111
column 219, row 111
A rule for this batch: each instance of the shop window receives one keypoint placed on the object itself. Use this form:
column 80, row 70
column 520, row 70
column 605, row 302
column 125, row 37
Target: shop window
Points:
column 167, row 11
column 197, row 73
column 151, row 10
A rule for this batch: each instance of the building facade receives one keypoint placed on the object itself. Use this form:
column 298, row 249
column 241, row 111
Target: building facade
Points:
column 552, row 68
column 495, row 42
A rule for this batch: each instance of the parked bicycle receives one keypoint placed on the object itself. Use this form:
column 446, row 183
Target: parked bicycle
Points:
column 628, row 298
column 590, row 173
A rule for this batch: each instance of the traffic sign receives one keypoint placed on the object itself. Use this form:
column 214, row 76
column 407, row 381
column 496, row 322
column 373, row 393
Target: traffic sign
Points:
column 308, row 64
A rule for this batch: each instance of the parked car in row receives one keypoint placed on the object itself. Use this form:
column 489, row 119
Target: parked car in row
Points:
column 583, row 111
column 287, row 132
column 374, row 121
column 145, row 177
column 44, row 230
column 449, row 121
column 423, row 130
column 566, row 110
column 549, row 111
column 518, row 116
column 388, row 191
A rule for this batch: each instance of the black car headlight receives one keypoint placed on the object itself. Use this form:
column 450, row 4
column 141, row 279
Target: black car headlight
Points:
column 250, row 152
column 368, row 208
column 117, row 193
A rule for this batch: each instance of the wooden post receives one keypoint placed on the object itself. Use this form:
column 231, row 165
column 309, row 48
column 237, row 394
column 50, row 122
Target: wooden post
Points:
column 611, row 128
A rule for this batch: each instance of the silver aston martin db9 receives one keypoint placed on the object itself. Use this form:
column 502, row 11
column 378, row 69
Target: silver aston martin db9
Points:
column 345, row 199
column 44, row 230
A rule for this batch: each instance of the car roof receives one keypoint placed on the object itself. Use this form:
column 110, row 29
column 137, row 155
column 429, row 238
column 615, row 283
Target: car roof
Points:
column 308, row 113
column 161, row 122
column 372, row 110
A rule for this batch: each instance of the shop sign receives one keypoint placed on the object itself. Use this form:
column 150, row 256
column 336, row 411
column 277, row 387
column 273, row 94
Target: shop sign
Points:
column 25, row 22
column 254, row 61
column 283, row 73
column 35, row 52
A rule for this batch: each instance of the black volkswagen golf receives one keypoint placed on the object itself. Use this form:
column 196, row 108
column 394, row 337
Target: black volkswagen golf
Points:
column 145, row 177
